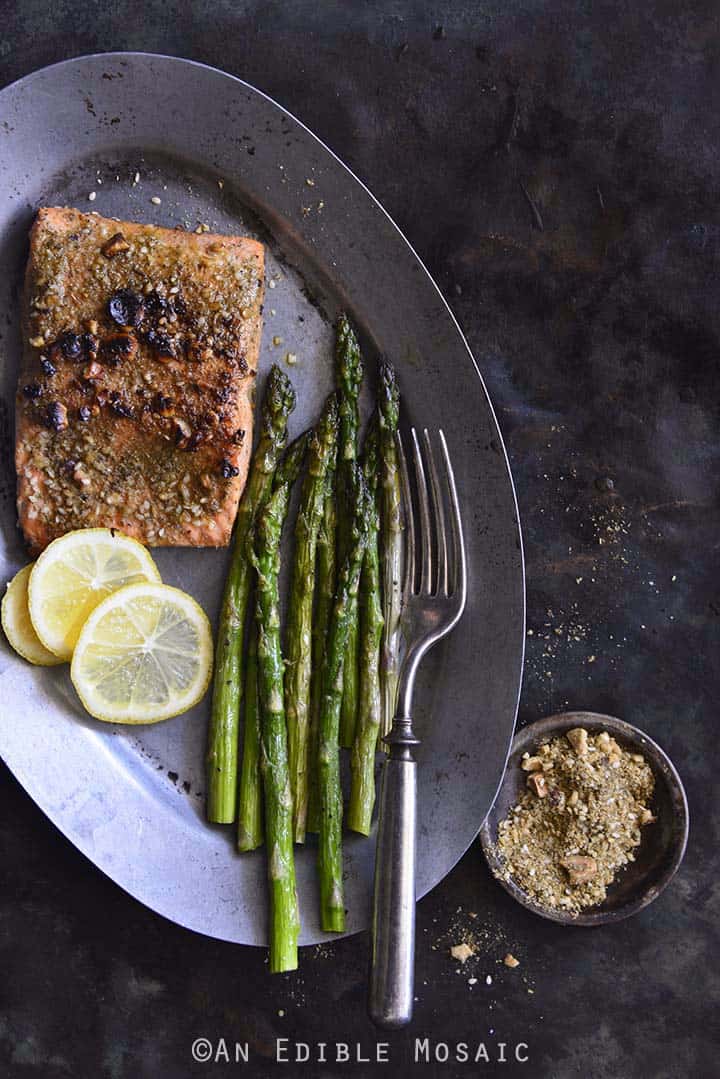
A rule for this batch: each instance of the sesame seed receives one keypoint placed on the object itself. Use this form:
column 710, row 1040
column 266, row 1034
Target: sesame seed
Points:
column 277, row 340
column 156, row 200
column 92, row 196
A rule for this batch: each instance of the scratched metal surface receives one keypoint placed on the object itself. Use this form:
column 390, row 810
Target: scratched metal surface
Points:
column 132, row 800
column 598, row 338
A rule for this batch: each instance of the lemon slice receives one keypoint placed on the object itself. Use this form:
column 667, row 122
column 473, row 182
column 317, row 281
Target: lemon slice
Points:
column 17, row 625
column 144, row 654
column 73, row 574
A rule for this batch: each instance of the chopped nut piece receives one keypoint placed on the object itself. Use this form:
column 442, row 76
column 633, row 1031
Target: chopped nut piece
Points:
column 92, row 371
column 511, row 961
column 81, row 477
column 37, row 342
column 116, row 245
column 91, row 326
column 573, row 799
column 647, row 816
column 578, row 739
column 580, row 869
column 462, row 952
column 603, row 741
column 181, row 430
column 537, row 783
column 531, row 764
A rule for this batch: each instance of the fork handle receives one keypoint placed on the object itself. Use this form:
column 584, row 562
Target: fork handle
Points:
column 393, row 924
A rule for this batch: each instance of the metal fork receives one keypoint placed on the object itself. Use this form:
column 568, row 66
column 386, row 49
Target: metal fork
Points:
column 432, row 606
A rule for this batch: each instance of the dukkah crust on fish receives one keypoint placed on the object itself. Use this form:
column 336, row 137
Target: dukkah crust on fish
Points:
column 135, row 396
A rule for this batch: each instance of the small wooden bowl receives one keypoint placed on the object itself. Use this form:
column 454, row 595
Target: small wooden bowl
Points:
column 661, row 851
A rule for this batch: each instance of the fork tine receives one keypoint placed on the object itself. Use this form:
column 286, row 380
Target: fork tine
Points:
column 439, row 515
column 459, row 576
column 408, row 585
column 426, row 560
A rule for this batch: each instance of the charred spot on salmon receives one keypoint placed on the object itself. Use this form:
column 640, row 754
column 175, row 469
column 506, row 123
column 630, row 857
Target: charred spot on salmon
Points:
column 195, row 439
column 119, row 407
column 118, row 347
column 126, row 308
column 70, row 346
column 32, row 391
column 161, row 404
column 56, row 416
column 228, row 470
column 162, row 343
column 116, row 245
column 90, row 344
column 84, row 413
column 74, row 347
column 48, row 367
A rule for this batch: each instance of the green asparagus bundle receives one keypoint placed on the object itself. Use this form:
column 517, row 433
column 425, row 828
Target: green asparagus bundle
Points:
column 349, row 375
column 392, row 539
column 322, row 448
column 332, row 908
column 222, row 754
column 362, row 758
column 249, row 810
column 325, row 572
column 284, row 913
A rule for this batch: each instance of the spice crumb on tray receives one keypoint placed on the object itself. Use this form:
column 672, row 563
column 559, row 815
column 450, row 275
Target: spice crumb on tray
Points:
column 579, row 821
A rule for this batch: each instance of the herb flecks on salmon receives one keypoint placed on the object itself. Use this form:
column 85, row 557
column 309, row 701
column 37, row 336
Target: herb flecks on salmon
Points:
column 135, row 395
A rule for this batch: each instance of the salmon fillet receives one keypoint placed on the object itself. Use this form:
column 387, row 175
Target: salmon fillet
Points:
column 136, row 389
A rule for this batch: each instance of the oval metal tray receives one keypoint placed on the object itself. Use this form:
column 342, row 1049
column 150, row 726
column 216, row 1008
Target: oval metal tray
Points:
column 216, row 152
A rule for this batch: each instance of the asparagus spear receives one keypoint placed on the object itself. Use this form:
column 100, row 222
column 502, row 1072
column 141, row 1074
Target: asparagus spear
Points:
column 249, row 811
column 349, row 374
column 321, row 452
column 325, row 572
column 222, row 754
column 362, row 759
column 284, row 914
column 392, row 538
column 332, row 909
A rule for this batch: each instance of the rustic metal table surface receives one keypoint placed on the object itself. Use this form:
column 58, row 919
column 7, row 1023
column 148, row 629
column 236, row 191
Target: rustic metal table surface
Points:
column 556, row 166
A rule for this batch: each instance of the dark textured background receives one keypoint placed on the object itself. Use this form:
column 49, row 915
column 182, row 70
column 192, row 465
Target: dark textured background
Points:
column 598, row 338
